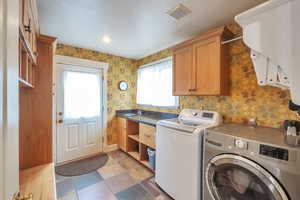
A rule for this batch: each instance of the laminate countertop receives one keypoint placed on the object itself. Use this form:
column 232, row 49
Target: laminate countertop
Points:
column 145, row 116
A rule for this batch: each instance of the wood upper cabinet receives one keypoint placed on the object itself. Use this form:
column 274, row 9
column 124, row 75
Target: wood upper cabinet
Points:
column 182, row 73
column 29, row 32
column 200, row 65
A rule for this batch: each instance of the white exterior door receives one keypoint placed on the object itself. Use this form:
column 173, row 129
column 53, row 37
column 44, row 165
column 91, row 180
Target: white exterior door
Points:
column 79, row 112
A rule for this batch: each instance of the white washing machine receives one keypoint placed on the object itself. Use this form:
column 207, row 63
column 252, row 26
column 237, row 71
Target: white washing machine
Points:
column 245, row 163
column 179, row 152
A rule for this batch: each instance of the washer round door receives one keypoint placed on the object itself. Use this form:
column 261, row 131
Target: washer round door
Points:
column 232, row 177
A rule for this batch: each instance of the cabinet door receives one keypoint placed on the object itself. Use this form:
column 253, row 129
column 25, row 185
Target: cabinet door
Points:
column 147, row 135
column 26, row 22
column 122, row 139
column 122, row 133
column 182, row 70
column 207, row 67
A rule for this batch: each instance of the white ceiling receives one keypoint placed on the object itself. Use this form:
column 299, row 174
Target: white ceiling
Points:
column 137, row 28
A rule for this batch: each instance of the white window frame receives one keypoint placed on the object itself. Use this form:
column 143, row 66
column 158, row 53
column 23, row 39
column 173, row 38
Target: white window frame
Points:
column 177, row 99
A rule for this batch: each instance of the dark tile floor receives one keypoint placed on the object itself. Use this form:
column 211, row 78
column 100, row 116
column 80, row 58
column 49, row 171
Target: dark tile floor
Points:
column 122, row 178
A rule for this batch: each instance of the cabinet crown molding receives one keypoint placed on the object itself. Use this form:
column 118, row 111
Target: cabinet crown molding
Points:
column 223, row 32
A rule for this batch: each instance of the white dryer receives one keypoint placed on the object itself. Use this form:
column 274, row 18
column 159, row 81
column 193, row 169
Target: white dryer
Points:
column 179, row 152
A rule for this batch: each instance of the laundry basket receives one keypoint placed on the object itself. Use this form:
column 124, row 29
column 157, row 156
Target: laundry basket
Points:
column 151, row 154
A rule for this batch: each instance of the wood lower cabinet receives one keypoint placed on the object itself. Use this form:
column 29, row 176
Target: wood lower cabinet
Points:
column 134, row 138
column 125, row 128
column 200, row 65
column 147, row 135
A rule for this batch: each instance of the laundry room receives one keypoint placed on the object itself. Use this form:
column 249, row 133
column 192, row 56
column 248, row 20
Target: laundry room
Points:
column 150, row 100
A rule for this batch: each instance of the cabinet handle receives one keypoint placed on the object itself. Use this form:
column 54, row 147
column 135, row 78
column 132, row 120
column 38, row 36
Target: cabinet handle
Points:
column 192, row 90
column 28, row 27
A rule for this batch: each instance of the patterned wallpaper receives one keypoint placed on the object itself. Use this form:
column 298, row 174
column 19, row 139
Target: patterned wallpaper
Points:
column 119, row 69
column 246, row 100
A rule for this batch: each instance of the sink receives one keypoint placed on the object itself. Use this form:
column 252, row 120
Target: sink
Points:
column 142, row 118
column 129, row 114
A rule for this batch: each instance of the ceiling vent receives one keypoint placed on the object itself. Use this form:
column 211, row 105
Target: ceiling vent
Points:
column 179, row 11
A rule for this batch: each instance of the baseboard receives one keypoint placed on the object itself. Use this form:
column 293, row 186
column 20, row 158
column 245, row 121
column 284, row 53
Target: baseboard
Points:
column 112, row 147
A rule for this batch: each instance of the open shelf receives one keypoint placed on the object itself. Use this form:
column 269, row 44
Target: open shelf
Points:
column 134, row 154
column 146, row 163
column 134, row 137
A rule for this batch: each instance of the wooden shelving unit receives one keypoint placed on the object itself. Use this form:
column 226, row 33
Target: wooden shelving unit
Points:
column 131, row 140
column 138, row 149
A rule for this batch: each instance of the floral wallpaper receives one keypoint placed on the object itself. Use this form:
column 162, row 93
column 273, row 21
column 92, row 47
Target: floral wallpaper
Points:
column 119, row 69
column 246, row 100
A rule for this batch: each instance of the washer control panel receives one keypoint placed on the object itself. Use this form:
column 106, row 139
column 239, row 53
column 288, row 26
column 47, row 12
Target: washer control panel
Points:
column 274, row 152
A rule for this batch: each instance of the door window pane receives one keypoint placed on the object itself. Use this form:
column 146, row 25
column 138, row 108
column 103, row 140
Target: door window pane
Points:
column 81, row 95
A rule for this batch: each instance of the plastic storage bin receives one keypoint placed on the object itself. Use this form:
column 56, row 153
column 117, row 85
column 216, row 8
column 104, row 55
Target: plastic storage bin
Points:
column 151, row 154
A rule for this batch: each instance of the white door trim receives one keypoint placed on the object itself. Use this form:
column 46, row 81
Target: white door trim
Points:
column 9, row 98
column 66, row 60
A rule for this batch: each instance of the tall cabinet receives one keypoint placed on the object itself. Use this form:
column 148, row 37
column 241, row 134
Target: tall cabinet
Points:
column 200, row 65
column 35, row 81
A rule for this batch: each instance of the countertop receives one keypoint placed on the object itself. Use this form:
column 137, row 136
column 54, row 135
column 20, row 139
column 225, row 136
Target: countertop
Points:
column 262, row 134
column 145, row 116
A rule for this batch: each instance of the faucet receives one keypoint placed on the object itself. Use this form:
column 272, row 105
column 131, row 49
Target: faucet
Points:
column 139, row 112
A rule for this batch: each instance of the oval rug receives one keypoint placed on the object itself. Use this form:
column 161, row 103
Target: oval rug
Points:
column 84, row 166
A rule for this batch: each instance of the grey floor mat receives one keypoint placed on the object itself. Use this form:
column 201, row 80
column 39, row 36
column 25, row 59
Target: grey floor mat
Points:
column 83, row 166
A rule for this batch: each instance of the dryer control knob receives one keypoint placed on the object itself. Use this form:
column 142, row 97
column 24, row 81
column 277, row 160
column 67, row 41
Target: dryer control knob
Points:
column 241, row 144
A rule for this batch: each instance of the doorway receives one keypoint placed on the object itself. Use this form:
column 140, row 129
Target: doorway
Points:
column 80, row 108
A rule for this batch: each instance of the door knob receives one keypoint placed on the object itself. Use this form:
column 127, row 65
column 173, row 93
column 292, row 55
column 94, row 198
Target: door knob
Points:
column 18, row 196
column 60, row 121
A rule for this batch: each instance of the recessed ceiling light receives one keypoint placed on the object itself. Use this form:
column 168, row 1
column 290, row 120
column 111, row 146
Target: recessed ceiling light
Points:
column 106, row 39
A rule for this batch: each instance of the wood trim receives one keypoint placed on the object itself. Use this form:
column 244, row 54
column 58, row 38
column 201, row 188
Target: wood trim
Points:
column 212, row 33
column 47, row 39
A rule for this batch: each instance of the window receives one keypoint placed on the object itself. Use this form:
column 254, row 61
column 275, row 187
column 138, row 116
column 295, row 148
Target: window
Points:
column 154, row 85
column 81, row 94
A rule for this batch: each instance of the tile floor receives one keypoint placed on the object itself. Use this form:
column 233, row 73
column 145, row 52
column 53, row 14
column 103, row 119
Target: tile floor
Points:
column 122, row 178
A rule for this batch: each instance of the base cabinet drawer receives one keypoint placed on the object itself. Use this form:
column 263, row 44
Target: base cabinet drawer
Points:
column 147, row 135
